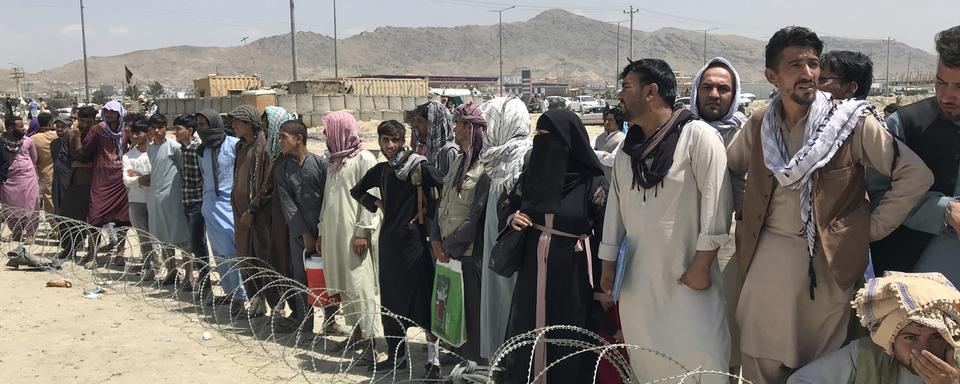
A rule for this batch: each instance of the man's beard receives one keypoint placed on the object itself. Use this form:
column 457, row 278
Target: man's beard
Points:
column 708, row 115
column 803, row 100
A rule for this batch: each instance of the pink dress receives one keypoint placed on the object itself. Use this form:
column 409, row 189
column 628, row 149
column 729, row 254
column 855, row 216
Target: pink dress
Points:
column 21, row 190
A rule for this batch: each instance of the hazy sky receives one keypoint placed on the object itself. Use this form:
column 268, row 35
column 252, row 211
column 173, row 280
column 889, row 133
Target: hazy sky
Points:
column 41, row 34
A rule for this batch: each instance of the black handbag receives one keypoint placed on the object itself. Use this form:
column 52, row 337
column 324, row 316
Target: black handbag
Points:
column 507, row 252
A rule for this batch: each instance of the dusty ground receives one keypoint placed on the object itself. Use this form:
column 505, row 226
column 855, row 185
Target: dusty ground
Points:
column 136, row 333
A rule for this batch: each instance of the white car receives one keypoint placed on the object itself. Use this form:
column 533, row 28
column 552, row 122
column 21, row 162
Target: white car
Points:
column 586, row 104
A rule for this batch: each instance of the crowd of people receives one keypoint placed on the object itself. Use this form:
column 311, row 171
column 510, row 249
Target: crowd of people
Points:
column 728, row 243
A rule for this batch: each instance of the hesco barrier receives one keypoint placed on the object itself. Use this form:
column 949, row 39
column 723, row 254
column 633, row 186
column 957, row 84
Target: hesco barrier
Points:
column 311, row 107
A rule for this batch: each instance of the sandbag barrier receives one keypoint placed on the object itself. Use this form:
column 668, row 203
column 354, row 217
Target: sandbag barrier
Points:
column 302, row 352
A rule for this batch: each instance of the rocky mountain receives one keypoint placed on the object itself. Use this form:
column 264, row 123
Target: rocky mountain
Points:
column 555, row 43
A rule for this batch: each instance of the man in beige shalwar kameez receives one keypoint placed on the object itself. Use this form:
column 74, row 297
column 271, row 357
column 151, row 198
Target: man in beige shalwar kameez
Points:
column 805, row 226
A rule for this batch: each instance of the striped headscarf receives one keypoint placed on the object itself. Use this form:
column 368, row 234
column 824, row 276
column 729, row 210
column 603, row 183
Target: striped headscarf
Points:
column 439, row 131
column 343, row 138
column 276, row 116
column 505, row 142
column 472, row 116
column 888, row 304
column 247, row 114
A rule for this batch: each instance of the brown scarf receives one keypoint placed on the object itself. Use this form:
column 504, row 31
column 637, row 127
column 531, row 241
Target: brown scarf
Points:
column 659, row 148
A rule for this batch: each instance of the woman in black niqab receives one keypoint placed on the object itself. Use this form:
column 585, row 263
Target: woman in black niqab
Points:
column 563, row 189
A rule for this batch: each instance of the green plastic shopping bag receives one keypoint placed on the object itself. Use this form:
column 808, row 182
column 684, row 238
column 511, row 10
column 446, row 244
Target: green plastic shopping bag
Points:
column 448, row 320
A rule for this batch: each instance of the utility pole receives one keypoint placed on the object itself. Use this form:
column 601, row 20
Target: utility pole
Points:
column 886, row 83
column 500, row 37
column 336, row 70
column 705, row 43
column 631, row 12
column 17, row 75
column 293, row 42
column 245, row 48
column 616, row 67
column 909, row 54
column 83, row 36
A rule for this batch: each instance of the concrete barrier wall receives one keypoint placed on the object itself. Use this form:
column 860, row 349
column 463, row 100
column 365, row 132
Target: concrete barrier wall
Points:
column 311, row 107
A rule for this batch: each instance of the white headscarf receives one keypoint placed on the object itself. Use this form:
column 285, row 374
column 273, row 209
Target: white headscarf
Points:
column 731, row 121
column 505, row 142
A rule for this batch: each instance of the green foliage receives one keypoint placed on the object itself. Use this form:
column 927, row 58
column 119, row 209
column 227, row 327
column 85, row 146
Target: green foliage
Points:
column 99, row 97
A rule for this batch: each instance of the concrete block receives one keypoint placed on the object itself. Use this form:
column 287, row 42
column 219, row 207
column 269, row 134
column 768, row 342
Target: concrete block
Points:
column 221, row 104
column 370, row 114
column 395, row 103
column 288, row 102
column 409, row 103
column 351, row 102
column 197, row 105
column 367, row 103
column 392, row 115
column 304, row 104
column 381, row 103
column 321, row 103
column 421, row 100
column 229, row 103
column 337, row 103
column 316, row 118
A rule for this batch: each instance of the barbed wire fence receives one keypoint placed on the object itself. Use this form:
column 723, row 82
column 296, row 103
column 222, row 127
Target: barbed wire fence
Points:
column 35, row 239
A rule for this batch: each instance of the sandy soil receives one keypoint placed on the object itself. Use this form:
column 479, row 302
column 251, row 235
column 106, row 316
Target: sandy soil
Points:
column 135, row 333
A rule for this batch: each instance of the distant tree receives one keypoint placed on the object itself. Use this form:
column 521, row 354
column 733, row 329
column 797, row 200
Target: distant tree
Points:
column 133, row 91
column 155, row 90
column 99, row 97
column 55, row 104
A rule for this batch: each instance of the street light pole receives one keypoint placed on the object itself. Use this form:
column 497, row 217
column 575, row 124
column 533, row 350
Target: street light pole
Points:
column 293, row 42
column 500, row 37
column 705, row 43
column 336, row 69
column 83, row 36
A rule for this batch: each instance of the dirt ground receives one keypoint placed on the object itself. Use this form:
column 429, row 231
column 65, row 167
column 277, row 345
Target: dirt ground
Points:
column 136, row 333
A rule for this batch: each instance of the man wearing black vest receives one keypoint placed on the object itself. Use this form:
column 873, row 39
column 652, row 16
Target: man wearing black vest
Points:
column 928, row 240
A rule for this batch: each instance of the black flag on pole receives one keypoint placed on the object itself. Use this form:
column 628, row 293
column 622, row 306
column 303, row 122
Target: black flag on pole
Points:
column 129, row 74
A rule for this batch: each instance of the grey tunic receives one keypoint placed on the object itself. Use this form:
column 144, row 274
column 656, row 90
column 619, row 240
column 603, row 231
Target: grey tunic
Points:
column 165, row 199
column 301, row 192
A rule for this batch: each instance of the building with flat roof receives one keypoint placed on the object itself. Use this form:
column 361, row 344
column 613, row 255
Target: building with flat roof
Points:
column 461, row 82
column 217, row 85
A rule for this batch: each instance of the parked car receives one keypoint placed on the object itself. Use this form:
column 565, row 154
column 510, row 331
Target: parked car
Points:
column 586, row 104
column 557, row 101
